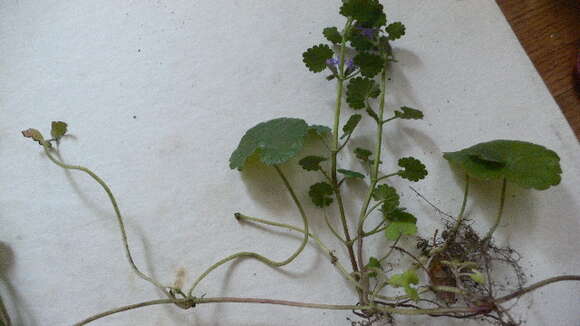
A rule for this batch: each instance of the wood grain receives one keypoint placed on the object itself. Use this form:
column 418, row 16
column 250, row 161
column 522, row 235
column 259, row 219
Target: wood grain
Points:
column 549, row 31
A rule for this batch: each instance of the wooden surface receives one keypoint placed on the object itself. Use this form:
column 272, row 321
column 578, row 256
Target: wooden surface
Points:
column 549, row 31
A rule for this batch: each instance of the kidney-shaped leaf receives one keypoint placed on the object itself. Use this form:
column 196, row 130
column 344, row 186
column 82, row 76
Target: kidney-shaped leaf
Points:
column 275, row 142
column 525, row 164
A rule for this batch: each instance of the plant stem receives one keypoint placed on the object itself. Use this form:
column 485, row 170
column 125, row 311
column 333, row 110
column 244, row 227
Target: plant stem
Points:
column 387, row 176
column 374, row 181
column 257, row 256
column 458, row 223
column 192, row 302
column 537, row 285
column 335, row 147
column 499, row 213
column 332, row 230
column 117, row 213
column 335, row 261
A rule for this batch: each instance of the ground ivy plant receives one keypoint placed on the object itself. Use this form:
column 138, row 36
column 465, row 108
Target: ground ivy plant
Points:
column 451, row 272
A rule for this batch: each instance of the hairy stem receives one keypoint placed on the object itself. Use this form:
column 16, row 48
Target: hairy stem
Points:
column 120, row 221
column 257, row 256
column 374, row 180
column 499, row 213
column 336, row 148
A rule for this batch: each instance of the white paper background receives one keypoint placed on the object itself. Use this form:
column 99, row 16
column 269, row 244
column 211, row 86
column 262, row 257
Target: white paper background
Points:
column 196, row 75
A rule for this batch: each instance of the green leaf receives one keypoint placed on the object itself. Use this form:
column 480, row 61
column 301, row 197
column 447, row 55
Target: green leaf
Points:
column 275, row 142
column 34, row 135
column 477, row 276
column 405, row 280
column 413, row 169
column 369, row 64
column 320, row 130
column 388, row 195
column 373, row 264
column 359, row 90
column 409, row 113
column 396, row 30
column 351, row 124
column 332, row 34
column 359, row 41
column 351, row 174
column 58, row 129
column 525, row 164
column 319, row 193
column 401, row 223
column 362, row 154
column 367, row 12
column 311, row 163
column 315, row 57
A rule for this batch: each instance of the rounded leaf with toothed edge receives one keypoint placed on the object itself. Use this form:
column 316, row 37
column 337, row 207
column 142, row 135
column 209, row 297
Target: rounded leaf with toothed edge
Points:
column 400, row 223
column 525, row 164
column 413, row 169
column 388, row 195
column 315, row 57
column 370, row 64
column 311, row 163
column 320, row 194
column 396, row 30
column 58, row 129
column 368, row 12
column 359, row 90
column 275, row 142
column 332, row 34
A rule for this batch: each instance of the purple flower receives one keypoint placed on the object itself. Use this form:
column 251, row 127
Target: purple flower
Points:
column 350, row 64
column 332, row 62
column 367, row 32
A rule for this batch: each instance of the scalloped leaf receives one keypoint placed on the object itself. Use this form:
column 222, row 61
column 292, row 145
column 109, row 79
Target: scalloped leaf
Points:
column 388, row 195
column 369, row 12
column 311, row 163
column 332, row 34
column 360, row 41
column 359, row 90
column 275, row 142
column 369, row 64
column 413, row 169
column 320, row 194
column 525, row 164
column 58, row 129
column 315, row 57
column 396, row 30
column 401, row 223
